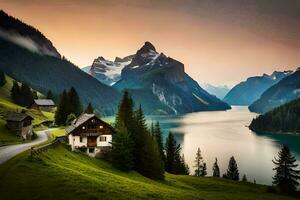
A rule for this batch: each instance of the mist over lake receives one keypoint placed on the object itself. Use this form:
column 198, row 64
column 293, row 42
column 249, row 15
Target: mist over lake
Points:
column 223, row 134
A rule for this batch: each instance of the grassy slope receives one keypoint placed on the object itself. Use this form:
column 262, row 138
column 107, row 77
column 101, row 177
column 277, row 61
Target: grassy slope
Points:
column 6, row 106
column 60, row 174
column 59, row 131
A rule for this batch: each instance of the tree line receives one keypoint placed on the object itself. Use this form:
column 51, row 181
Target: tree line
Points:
column 286, row 175
column 285, row 118
column 22, row 94
column 69, row 107
column 137, row 147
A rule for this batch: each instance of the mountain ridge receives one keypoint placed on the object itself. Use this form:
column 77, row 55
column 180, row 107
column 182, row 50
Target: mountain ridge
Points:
column 248, row 91
column 164, row 79
column 284, row 91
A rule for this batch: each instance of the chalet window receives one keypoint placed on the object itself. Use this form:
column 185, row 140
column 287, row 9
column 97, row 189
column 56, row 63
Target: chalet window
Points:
column 80, row 139
column 102, row 138
column 83, row 127
column 101, row 127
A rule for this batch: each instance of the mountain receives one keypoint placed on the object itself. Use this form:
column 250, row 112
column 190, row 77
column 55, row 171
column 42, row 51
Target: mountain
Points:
column 106, row 71
column 161, row 85
column 219, row 91
column 285, row 118
column 284, row 91
column 45, row 72
column 246, row 92
column 86, row 69
column 16, row 31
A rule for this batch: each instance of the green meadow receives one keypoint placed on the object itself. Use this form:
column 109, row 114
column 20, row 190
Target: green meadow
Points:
column 61, row 174
column 6, row 105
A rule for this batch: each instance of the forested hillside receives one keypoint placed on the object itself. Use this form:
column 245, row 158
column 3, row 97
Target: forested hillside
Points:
column 44, row 73
column 285, row 118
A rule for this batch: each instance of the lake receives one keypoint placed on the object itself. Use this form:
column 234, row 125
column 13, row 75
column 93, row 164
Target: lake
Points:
column 222, row 134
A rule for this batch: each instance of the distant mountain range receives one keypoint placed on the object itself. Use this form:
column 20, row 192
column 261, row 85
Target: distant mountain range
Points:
column 246, row 92
column 219, row 91
column 284, row 91
column 28, row 56
column 161, row 85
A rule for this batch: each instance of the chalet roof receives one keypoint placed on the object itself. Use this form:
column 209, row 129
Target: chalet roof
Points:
column 80, row 120
column 18, row 117
column 44, row 102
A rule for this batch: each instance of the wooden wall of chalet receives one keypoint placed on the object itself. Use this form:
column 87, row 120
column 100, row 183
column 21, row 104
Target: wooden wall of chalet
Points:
column 93, row 125
column 15, row 126
column 18, row 127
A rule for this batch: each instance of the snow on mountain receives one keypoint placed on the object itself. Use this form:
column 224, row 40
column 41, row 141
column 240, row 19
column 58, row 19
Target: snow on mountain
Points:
column 108, row 72
column 160, row 84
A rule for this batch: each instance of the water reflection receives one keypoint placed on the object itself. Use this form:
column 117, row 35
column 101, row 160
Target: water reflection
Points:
column 222, row 134
column 292, row 141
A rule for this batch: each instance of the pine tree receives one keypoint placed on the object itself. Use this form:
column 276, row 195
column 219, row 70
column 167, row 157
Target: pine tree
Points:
column 15, row 93
column 152, row 130
column 171, row 150
column 146, row 155
column 232, row 171
column 158, row 137
column 199, row 164
column 49, row 95
column 74, row 102
column 140, row 138
column 286, row 177
column 216, row 169
column 124, row 115
column 244, row 179
column 26, row 95
column 89, row 109
column 122, row 152
column 154, row 165
column 174, row 163
column 180, row 167
column 204, row 170
column 184, row 167
column 62, row 110
column 2, row 78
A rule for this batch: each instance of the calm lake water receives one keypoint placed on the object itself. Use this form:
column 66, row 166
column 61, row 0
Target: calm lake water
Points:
column 222, row 134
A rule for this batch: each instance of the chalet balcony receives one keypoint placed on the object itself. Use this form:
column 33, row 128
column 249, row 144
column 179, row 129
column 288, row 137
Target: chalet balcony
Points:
column 93, row 132
column 92, row 144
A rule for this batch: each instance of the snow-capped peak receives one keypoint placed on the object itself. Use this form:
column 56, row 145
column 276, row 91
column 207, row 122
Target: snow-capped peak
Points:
column 108, row 71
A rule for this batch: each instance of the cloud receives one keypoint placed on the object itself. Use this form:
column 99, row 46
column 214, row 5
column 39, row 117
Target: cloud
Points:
column 24, row 42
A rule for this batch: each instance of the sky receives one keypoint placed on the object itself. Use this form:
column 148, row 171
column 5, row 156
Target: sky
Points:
column 221, row 42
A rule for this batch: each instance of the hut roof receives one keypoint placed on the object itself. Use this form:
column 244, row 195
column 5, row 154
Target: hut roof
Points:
column 18, row 117
column 81, row 120
column 44, row 102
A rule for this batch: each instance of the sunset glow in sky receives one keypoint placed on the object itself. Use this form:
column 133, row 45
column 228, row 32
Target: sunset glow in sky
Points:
column 220, row 42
